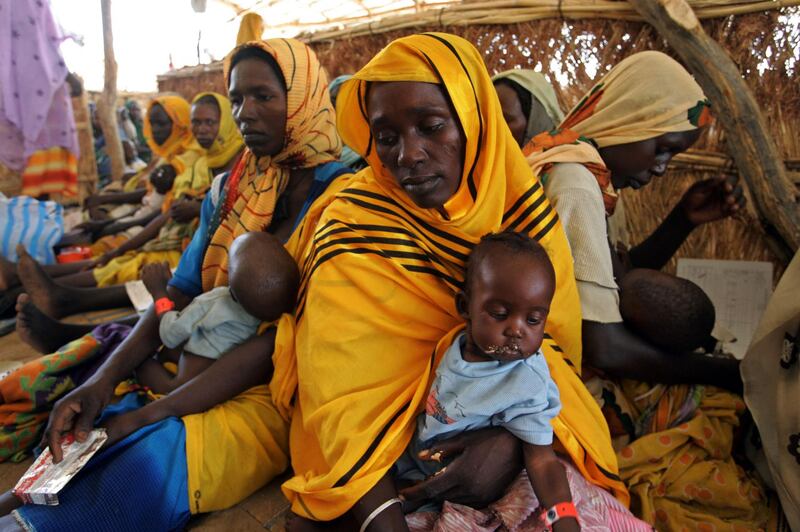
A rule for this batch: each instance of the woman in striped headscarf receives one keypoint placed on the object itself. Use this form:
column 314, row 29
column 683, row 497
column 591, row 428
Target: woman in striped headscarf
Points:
column 380, row 272
column 217, row 439
column 674, row 441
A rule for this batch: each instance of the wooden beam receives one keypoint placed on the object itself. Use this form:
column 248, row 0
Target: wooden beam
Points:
column 455, row 13
column 749, row 141
column 107, row 103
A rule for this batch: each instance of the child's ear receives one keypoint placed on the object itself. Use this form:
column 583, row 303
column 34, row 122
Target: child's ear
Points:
column 462, row 305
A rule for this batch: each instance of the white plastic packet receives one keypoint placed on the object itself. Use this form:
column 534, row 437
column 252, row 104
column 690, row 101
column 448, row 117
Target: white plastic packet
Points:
column 43, row 480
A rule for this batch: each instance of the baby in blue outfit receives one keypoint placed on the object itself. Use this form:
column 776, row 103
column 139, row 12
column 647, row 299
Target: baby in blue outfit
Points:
column 494, row 373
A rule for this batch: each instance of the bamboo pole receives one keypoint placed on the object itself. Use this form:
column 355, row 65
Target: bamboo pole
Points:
column 517, row 11
column 107, row 103
column 749, row 141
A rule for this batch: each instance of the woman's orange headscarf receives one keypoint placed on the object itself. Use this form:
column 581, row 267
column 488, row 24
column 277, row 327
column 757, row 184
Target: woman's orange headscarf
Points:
column 255, row 184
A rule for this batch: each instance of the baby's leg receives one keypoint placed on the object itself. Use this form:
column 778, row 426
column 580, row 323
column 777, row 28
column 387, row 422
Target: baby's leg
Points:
column 153, row 375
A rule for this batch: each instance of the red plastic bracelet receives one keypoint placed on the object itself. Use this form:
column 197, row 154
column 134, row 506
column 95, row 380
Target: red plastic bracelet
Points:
column 163, row 305
column 558, row 512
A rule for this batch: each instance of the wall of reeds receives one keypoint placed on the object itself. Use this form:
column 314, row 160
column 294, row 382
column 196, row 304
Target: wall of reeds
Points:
column 574, row 53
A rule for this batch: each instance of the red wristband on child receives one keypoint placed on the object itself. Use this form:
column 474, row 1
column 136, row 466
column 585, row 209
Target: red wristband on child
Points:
column 163, row 305
column 558, row 512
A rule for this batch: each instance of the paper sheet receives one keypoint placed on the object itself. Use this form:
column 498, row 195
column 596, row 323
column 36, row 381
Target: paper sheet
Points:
column 739, row 290
column 139, row 296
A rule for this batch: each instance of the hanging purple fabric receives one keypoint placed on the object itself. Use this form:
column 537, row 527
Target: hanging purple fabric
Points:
column 35, row 107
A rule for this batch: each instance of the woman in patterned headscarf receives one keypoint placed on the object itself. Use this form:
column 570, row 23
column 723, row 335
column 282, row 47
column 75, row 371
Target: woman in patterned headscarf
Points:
column 622, row 134
column 219, row 438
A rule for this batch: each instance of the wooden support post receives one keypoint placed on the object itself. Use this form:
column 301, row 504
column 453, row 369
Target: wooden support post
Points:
column 749, row 142
column 107, row 104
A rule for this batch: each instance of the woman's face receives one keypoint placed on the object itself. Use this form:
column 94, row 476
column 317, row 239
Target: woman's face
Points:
column 160, row 124
column 418, row 138
column 205, row 123
column 634, row 164
column 512, row 112
column 258, row 102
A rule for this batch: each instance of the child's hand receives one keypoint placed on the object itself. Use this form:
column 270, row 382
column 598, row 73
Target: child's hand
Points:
column 155, row 278
column 712, row 199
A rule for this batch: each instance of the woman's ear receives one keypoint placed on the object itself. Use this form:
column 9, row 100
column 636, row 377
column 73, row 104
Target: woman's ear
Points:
column 462, row 305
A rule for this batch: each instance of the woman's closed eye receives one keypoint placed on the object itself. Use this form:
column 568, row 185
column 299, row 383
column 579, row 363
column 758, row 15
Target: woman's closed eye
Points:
column 431, row 127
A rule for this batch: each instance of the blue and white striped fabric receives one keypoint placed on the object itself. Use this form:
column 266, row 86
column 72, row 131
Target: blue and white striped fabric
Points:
column 38, row 225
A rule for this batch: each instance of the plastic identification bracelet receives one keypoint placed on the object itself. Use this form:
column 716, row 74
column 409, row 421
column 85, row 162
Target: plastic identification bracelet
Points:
column 558, row 512
column 163, row 305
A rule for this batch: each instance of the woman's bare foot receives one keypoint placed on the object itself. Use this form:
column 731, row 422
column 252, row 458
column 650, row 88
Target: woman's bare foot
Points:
column 8, row 274
column 44, row 292
column 42, row 332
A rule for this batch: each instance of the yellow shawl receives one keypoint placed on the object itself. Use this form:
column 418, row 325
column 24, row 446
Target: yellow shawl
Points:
column 644, row 96
column 248, row 201
column 180, row 149
column 229, row 141
column 377, row 295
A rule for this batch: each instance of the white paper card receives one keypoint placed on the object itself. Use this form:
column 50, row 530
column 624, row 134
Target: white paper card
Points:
column 739, row 290
column 139, row 296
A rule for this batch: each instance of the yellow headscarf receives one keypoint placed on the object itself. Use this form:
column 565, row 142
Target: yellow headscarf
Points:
column 180, row 139
column 646, row 95
column 376, row 309
column 251, row 28
column 229, row 141
column 248, row 200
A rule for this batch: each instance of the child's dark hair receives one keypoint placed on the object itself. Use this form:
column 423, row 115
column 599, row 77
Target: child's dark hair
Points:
column 207, row 99
column 511, row 241
column 255, row 52
column 672, row 313
column 524, row 96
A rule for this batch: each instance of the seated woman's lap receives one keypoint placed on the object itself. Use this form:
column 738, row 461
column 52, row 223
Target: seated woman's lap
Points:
column 146, row 473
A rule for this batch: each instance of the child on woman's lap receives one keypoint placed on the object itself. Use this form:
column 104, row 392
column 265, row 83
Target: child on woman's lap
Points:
column 493, row 375
column 263, row 280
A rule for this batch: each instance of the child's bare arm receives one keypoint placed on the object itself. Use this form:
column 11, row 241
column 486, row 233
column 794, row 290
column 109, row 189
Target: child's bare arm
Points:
column 549, row 481
column 153, row 375
column 391, row 518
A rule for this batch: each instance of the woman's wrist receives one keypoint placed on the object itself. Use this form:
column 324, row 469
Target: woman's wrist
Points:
column 680, row 219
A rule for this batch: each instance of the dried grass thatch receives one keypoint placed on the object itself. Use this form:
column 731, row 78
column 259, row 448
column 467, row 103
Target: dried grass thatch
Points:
column 574, row 53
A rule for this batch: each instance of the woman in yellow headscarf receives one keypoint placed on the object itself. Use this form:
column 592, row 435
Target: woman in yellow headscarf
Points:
column 623, row 133
column 168, row 131
column 217, row 439
column 163, row 238
column 381, row 269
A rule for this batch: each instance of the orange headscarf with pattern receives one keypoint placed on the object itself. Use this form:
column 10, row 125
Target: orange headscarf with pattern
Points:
column 646, row 95
column 251, row 192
